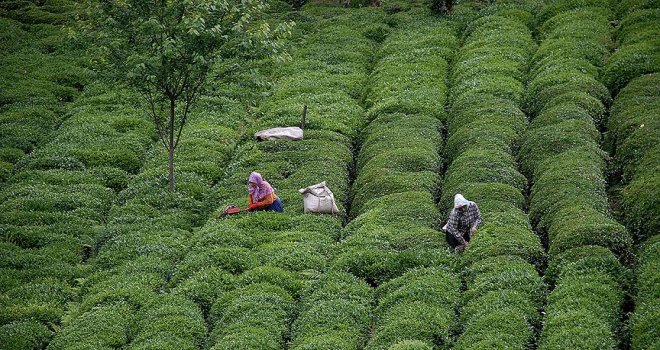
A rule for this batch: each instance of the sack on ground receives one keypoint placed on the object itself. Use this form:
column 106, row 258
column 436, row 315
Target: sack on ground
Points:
column 319, row 199
column 293, row 133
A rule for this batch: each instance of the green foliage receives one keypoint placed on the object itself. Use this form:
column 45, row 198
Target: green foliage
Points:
column 484, row 166
column 485, row 127
column 577, row 329
column 418, row 305
column 588, row 258
column 170, row 318
column 102, row 328
column 496, row 239
column 397, row 208
column 568, row 199
column 261, row 307
column 640, row 204
column 344, row 319
column 497, row 329
column 631, row 61
column 625, row 7
column 411, row 345
column 635, row 139
column 24, row 335
column 205, row 286
column 577, row 226
column 504, row 273
column 638, row 26
column 335, row 313
column 644, row 320
column 511, row 301
column 638, row 53
column 378, row 253
column 586, row 290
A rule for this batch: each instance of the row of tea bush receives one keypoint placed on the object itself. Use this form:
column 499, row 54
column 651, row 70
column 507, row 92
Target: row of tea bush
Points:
column 58, row 201
column 631, row 73
column 504, row 291
column 393, row 241
column 42, row 72
column 276, row 262
column 568, row 201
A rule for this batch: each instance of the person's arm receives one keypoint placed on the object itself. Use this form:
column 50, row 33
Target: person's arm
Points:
column 268, row 200
column 452, row 227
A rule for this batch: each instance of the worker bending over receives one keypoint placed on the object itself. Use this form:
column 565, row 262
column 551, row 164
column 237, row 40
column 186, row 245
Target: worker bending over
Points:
column 261, row 195
column 463, row 222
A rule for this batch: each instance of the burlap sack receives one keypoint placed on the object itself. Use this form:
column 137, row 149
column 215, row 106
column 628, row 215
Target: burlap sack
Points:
column 319, row 199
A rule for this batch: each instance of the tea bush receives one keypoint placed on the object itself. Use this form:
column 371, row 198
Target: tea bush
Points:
column 335, row 311
column 53, row 207
column 264, row 307
column 42, row 74
column 638, row 52
column 286, row 250
column 644, row 320
column 171, row 319
column 418, row 305
column 568, row 201
column 485, row 128
column 634, row 139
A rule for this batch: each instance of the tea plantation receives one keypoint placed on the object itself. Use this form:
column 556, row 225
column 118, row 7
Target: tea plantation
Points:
column 546, row 113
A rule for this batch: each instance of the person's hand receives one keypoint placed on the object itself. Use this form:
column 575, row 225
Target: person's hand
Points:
column 473, row 230
column 461, row 248
column 251, row 207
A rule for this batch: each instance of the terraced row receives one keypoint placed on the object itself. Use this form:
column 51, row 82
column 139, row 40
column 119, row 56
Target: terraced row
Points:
column 504, row 293
column 568, row 200
column 91, row 187
column 393, row 242
column 57, row 202
column 247, row 273
column 632, row 74
column 41, row 74
column 122, row 301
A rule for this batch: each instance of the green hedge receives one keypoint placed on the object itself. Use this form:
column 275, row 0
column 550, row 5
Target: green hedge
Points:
column 634, row 140
column 170, row 322
column 263, row 308
column 569, row 204
column 583, row 311
column 378, row 252
column 644, row 321
column 277, row 254
column 102, row 328
column 42, row 74
column 638, row 52
column 578, row 329
column 51, row 213
column 485, row 127
column 589, row 258
column 335, row 314
column 418, row 305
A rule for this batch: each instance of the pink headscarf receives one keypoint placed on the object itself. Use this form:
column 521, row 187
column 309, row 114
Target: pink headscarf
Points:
column 262, row 189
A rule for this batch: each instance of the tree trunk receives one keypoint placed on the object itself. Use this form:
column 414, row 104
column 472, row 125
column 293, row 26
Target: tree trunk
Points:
column 171, row 147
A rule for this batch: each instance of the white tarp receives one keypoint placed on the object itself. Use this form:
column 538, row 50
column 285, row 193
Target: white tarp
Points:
column 293, row 133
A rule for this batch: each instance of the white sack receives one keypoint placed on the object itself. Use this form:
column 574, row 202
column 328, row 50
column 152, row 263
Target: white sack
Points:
column 290, row 133
column 319, row 199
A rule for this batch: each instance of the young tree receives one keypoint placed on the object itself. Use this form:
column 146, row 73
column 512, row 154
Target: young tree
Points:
column 165, row 49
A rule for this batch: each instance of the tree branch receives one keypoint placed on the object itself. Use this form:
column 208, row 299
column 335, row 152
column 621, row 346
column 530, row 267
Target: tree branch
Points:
column 157, row 121
column 190, row 99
